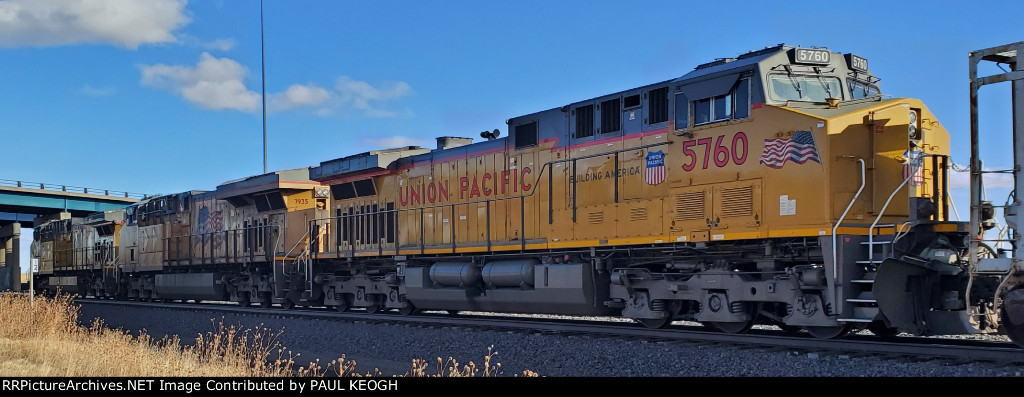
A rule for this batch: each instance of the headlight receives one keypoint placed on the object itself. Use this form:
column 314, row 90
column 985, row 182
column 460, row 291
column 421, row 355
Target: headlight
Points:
column 912, row 126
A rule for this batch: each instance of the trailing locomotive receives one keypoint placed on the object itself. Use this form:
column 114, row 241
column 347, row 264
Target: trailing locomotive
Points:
column 777, row 187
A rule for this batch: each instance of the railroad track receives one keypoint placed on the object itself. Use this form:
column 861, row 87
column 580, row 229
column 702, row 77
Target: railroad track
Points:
column 899, row 347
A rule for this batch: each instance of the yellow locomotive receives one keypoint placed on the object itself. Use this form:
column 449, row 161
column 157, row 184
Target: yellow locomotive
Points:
column 777, row 187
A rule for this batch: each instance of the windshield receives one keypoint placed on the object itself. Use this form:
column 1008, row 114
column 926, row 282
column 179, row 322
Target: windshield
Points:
column 804, row 88
column 860, row 89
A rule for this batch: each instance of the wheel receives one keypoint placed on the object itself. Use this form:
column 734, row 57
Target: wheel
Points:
column 265, row 300
column 733, row 327
column 452, row 312
column 1014, row 331
column 1012, row 302
column 881, row 330
column 408, row 309
column 373, row 308
column 790, row 329
column 838, row 331
column 344, row 304
column 287, row 304
column 738, row 327
column 243, row 299
column 654, row 323
column 197, row 301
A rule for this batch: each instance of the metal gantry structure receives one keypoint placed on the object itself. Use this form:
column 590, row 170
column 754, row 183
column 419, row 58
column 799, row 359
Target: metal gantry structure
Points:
column 1011, row 55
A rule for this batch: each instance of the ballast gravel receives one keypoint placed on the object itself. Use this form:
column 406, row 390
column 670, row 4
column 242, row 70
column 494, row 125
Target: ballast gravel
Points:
column 391, row 348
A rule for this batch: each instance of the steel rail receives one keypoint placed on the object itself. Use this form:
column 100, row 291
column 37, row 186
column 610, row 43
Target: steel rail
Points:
column 958, row 349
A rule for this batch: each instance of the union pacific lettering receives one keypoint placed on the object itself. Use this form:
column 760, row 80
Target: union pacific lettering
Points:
column 487, row 185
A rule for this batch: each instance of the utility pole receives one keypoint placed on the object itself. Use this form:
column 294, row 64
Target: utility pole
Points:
column 263, row 86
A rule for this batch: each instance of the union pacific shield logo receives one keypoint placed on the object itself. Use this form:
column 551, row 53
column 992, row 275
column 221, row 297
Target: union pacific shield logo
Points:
column 655, row 168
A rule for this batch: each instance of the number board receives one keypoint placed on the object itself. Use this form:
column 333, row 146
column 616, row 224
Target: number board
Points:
column 857, row 63
column 811, row 56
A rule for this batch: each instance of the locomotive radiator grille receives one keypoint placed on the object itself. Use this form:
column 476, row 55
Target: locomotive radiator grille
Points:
column 690, row 206
column 595, row 218
column 638, row 214
column 737, row 201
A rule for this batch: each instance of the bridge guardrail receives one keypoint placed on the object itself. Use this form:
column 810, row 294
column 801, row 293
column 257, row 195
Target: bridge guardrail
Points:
column 54, row 187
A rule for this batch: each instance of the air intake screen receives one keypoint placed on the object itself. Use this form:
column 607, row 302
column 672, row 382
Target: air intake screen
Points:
column 737, row 201
column 690, row 206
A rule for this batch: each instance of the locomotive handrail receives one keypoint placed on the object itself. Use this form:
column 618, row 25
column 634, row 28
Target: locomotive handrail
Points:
column 871, row 230
column 545, row 169
column 309, row 276
column 835, row 229
column 231, row 240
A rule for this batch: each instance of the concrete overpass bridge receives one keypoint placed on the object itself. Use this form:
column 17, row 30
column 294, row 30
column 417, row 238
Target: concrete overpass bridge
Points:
column 21, row 202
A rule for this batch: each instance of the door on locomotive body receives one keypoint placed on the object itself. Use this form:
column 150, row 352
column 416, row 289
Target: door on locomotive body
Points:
column 151, row 240
column 592, row 185
column 320, row 230
column 544, row 137
column 128, row 235
column 848, row 140
column 246, row 238
column 256, row 238
column 643, row 171
column 738, row 205
column 487, row 172
column 81, row 246
column 891, row 147
column 90, row 258
column 277, row 227
column 45, row 248
column 177, row 227
column 45, row 257
column 105, row 251
column 367, row 224
column 64, row 246
column 464, row 218
column 522, row 212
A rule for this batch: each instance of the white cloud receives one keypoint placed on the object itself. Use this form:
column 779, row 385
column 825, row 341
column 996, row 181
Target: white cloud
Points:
column 118, row 22
column 98, row 91
column 298, row 95
column 394, row 142
column 218, row 44
column 962, row 180
column 217, row 83
column 214, row 83
column 212, row 45
column 364, row 97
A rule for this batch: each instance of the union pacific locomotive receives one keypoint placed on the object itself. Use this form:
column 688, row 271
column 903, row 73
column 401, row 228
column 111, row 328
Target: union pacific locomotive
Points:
column 777, row 187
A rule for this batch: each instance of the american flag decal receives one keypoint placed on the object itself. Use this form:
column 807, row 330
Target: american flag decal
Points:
column 799, row 149
column 655, row 173
column 209, row 222
column 914, row 165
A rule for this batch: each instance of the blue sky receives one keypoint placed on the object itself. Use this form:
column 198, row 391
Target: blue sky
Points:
column 160, row 96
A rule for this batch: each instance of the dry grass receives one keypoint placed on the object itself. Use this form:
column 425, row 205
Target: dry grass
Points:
column 49, row 342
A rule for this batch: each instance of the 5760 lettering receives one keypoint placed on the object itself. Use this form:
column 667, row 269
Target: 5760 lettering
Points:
column 720, row 155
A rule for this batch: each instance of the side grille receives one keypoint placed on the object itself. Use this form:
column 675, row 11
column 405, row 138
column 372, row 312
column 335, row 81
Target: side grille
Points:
column 595, row 218
column 737, row 201
column 690, row 206
column 638, row 214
